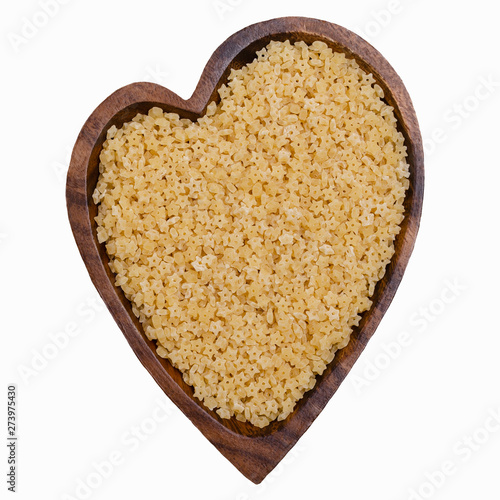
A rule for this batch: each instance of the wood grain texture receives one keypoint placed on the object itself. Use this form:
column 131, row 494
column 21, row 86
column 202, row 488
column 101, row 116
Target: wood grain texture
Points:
column 255, row 452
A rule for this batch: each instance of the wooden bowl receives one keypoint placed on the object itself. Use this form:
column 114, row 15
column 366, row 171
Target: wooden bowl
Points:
column 255, row 452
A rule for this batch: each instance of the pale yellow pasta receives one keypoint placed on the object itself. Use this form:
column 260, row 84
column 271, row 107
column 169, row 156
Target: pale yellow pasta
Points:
column 249, row 242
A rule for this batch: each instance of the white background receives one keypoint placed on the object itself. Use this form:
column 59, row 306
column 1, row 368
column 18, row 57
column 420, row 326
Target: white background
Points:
column 396, row 419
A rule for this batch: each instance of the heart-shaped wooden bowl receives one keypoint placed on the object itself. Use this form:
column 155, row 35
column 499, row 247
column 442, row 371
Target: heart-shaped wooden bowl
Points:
column 255, row 452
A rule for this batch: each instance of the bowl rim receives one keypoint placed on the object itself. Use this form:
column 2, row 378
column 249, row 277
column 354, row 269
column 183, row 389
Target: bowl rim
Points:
column 255, row 452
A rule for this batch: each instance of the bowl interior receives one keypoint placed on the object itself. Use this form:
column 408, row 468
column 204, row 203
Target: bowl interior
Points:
column 344, row 358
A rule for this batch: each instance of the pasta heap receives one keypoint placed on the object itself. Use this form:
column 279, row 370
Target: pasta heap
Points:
column 250, row 241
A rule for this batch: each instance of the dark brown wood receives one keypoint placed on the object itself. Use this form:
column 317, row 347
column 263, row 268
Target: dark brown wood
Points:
column 255, row 452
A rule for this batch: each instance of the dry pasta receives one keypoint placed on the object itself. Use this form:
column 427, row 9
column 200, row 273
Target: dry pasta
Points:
column 250, row 241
